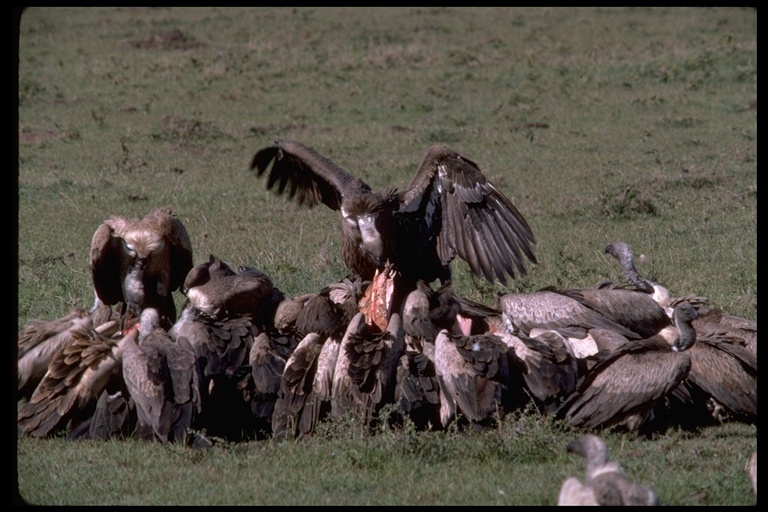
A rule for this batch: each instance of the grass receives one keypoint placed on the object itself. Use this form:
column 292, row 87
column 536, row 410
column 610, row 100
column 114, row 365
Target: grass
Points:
column 600, row 124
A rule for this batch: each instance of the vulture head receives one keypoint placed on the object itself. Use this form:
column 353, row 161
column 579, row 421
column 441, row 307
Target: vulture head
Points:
column 449, row 209
column 140, row 262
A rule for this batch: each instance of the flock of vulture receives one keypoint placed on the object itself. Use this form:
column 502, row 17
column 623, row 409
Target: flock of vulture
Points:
column 389, row 342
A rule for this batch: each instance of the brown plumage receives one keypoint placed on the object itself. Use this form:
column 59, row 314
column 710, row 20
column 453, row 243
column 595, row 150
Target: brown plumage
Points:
column 222, row 349
column 605, row 481
column 549, row 370
column 448, row 209
column 548, row 309
column 217, row 290
column 365, row 374
column 305, row 387
column 140, row 262
column 473, row 372
column 40, row 340
column 725, row 372
column 163, row 380
column 76, row 377
column 710, row 321
column 625, row 385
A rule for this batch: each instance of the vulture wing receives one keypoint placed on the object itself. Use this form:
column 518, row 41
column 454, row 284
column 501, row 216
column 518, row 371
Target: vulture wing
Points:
column 469, row 216
column 310, row 177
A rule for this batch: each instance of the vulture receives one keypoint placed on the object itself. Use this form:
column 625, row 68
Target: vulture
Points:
column 550, row 309
column 605, row 481
column 140, row 262
column 217, row 290
column 549, row 369
column 222, row 351
column 724, row 376
column 710, row 321
column 448, row 209
column 162, row 377
column 76, row 377
column 623, row 387
column 365, row 374
column 40, row 340
column 320, row 320
column 623, row 253
column 473, row 373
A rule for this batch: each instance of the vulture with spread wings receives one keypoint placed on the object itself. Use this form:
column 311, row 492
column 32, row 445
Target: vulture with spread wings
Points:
column 448, row 209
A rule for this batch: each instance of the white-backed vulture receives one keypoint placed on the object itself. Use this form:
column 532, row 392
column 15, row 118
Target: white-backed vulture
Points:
column 140, row 262
column 605, row 481
column 305, row 387
column 473, row 372
column 631, row 309
column 625, row 385
column 548, row 309
column 220, row 292
column 549, row 369
column 417, row 390
column 365, row 375
column 163, row 379
column 267, row 359
column 222, row 348
column 448, row 209
column 725, row 372
column 76, row 377
column 661, row 294
column 710, row 320
column 40, row 340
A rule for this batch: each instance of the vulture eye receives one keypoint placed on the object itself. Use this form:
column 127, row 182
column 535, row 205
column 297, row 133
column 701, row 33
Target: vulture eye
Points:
column 129, row 248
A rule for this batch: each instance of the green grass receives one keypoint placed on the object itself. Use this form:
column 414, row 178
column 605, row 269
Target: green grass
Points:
column 599, row 123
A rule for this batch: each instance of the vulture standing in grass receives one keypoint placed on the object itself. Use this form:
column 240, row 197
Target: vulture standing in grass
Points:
column 449, row 208
column 140, row 262
column 605, row 481
column 626, row 383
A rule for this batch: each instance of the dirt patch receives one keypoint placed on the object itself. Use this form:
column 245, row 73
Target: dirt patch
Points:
column 29, row 136
column 173, row 39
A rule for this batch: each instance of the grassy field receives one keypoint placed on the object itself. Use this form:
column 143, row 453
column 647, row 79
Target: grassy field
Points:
column 601, row 124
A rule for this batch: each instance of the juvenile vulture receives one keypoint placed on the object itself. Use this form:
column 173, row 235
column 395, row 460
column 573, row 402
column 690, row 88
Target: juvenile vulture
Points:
column 605, row 481
column 449, row 208
column 140, row 262
column 625, row 385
